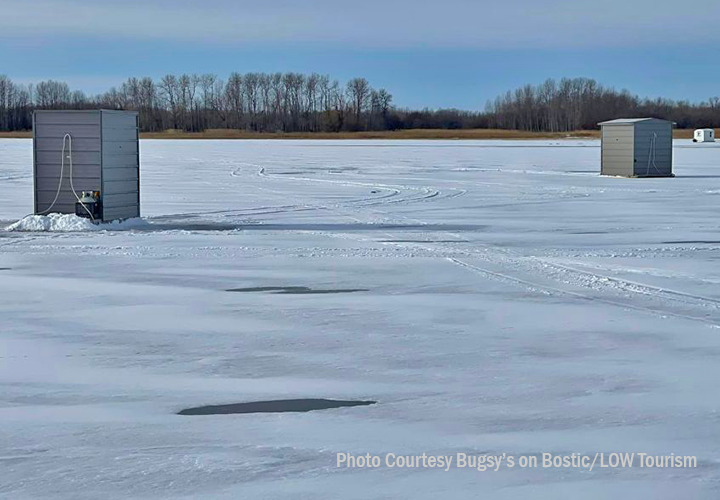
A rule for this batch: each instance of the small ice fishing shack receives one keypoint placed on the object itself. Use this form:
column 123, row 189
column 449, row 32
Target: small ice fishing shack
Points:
column 704, row 135
column 87, row 162
column 637, row 147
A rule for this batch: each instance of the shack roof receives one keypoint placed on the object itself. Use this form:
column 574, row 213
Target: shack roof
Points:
column 631, row 121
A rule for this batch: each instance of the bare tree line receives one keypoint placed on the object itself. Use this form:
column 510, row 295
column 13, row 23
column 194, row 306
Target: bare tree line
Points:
column 294, row 102
column 286, row 102
column 580, row 103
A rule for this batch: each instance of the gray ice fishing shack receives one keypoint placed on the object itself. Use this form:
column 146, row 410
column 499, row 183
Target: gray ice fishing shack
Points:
column 105, row 155
column 637, row 147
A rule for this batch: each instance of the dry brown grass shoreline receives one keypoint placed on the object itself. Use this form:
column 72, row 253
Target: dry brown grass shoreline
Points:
column 439, row 134
column 395, row 134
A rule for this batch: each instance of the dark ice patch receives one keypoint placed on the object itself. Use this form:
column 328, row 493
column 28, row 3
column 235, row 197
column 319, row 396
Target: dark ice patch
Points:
column 297, row 290
column 277, row 406
column 424, row 241
column 692, row 242
column 310, row 291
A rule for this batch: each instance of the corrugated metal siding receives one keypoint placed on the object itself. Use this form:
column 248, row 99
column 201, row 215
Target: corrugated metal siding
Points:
column 120, row 147
column 121, row 212
column 58, row 131
column 120, row 174
column 54, row 144
column 68, row 117
column 644, row 134
column 626, row 148
column 121, row 134
column 52, row 170
column 49, row 129
column 119, row 200
column 617, row 150
column 120, row 186
column 120, row 159
column 78, row 157
column 50, row 184
column 119, row 119
column 105, row 158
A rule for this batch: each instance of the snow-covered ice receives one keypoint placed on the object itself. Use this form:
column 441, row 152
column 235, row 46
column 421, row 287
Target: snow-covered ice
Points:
column 515, row 302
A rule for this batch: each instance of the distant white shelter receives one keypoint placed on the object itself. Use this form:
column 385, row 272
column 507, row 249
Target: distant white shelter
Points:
column 637, row 147
column 704, row 135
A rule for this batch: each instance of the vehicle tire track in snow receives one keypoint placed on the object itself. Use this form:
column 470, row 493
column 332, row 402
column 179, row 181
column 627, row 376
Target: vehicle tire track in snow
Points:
column 569, row 276
column 538, row 270
column 636, row 287
column 395, row 194
column 397, row 190
column 266, row 210
column 532, row 286
column 519, row 263
column 588, row 280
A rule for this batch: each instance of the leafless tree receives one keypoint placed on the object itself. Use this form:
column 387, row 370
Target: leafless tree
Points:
column 52, row 95
column 358, row 90
column 170, row 93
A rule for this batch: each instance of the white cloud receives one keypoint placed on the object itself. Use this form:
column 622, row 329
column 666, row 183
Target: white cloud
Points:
column 374, row 23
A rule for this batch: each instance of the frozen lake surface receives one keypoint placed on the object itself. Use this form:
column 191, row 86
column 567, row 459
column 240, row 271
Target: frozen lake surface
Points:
column 492, row 297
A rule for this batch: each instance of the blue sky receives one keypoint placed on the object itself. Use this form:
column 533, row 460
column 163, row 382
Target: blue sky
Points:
column 454, row 53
